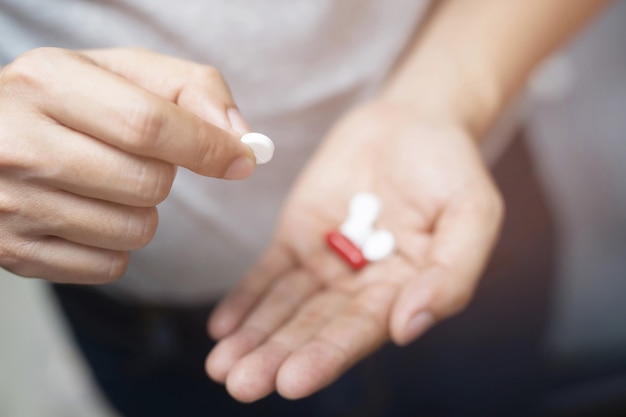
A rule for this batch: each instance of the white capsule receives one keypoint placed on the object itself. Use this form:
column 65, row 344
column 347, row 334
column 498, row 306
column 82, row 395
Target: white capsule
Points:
column 261, row 145
column 356, row 231
column 362, row 213
column 378, row 245
column 365, row 207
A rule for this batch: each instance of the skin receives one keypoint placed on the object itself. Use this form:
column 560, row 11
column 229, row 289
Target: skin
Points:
column 301, row 317
column 79, row 189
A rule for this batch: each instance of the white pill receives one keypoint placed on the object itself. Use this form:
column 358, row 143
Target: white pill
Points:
column 261, row 145
column 362, row 213
column 364, row 206
column 378, row 245
column 356, row 231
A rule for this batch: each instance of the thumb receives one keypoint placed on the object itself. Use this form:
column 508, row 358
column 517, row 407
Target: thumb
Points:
column 464, row 236
column 201, row 131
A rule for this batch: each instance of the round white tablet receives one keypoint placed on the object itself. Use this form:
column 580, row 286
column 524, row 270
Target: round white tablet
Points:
column 378, row 245
column 261, row 145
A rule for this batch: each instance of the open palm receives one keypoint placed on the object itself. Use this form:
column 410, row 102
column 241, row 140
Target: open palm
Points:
column 302, row 316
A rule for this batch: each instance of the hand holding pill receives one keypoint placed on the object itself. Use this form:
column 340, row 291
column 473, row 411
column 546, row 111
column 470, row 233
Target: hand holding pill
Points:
column 385, row 233
column 90, row 145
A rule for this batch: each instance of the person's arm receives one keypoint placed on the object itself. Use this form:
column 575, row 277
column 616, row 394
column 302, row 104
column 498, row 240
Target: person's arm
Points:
column 473, row 56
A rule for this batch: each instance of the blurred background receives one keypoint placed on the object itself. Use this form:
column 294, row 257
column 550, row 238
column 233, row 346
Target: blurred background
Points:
column 577, row 112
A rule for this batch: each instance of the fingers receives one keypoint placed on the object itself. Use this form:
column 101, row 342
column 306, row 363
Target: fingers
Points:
column 60, row 158
column 359, row 329
column 63, row 237
column 200, row 89
column 253, row 376
column 463, row 238
column 329, row 333
column 125, row 115
column 61, row 261
column 276, row 306
column 89, row 222
column 231, row 311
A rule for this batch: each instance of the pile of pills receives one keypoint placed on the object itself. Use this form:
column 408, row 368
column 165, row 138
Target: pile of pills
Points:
column 357, row 241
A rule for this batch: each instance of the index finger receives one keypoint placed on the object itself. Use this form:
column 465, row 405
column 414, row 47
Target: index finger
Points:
column 110, row 108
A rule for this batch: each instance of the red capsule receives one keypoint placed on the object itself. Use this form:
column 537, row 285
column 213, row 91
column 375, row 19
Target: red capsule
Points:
column 346, row 249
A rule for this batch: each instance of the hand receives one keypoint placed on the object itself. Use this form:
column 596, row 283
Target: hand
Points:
column 301, row 317
column 89, row 145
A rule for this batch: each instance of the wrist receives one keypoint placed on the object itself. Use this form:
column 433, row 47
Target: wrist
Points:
column 468, row 97
column 473, row 57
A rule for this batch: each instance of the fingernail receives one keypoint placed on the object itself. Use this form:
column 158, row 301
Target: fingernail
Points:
column 237, row 121
column 417, row 325
column 241, row 168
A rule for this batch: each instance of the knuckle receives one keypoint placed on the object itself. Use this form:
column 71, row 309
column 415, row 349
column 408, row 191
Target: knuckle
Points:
column 141, row 227
column 17, row 258
column 208, row 74
column 210, row 79
column 8, row 259
column 117, row 265
column 210, row 152
column 32, row 69
column 22, row 160
column 9, row 205
column 144, row 124
column 155, row 181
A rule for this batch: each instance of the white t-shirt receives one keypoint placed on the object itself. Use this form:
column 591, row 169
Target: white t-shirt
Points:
column 293, row 66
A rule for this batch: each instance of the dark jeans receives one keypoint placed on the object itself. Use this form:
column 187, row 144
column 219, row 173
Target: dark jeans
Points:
column 149, row 360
